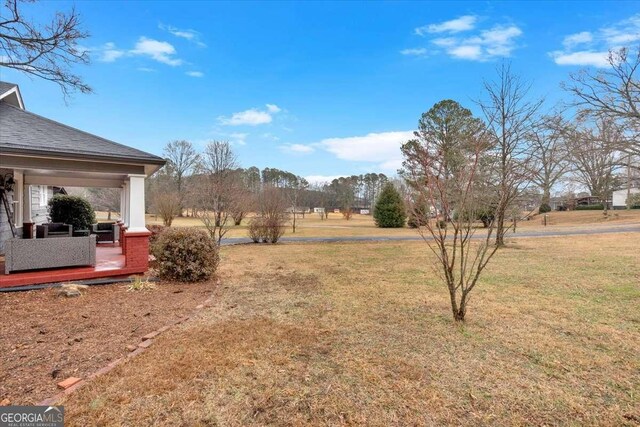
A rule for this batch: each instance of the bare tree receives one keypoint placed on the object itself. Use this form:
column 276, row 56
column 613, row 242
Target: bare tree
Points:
column 595, row 160
column 273, row 213
column 441, row 166
column 218, row 192
column 244, row 198
column 105, row 199
column 295, row 188
column 167, row 205
column 550, row 157
column 613, row 92
column 181, row 158
column 46, row 51
column 510, row 118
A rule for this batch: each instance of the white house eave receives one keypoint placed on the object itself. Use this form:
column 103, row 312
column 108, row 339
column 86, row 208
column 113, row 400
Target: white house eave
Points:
column 13, row 97
column 47, row 163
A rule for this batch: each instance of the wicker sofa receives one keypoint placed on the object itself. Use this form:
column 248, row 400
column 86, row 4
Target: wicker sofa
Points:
column 54, row 229
column 32, row 254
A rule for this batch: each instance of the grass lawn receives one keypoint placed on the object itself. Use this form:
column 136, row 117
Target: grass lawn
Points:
column 361, row 333
column 363, row 225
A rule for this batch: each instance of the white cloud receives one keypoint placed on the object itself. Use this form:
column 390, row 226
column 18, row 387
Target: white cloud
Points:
column 483, row 45
column 472, row 52
column 577, row 39
column 445, row 41
column 622, row 33
column 251, row 117
column 157, row 50
column 146, row 69
column 109, row 52
column 414, row 52
column 582, row 58
column 190, row 35
column 591, row 48
column 297, row 148
column 382, row 148
column 195, row 73
column 463, row 23
column 499, row 41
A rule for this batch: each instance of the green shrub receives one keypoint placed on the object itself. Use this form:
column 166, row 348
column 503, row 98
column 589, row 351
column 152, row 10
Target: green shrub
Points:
column 544, row 208
column 185, row 254
column 73, row 210
column 419, row 213
column 598, row 207
column 442, row 224
column 486, row 216
column 417, row 220
column 389, row 211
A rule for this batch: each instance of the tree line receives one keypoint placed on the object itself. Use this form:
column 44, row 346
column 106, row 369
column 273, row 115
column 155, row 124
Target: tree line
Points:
column 212, row 186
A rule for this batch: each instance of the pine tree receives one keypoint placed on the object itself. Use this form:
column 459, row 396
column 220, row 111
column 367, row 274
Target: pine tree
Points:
column 389, row 211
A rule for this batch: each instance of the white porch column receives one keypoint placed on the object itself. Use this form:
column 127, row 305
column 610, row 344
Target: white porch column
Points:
column 18, row 197
column 26, row 204
column 136, row 203
column 122, row 203
column 125, row 207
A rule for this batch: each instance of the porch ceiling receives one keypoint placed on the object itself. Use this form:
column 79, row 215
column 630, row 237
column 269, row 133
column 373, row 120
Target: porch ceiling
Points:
column 73, row 179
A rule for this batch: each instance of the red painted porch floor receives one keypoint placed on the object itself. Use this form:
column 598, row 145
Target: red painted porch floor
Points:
column 110, row 262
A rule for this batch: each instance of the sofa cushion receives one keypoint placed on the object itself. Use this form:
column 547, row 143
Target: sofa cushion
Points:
column 57, row 227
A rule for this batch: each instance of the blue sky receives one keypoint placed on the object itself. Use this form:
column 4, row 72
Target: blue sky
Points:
column 320, row 89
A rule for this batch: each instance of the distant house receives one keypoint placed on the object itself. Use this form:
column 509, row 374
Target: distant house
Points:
column 558, row 203
column 587, row 201
column 39, row 157
column 619, row 197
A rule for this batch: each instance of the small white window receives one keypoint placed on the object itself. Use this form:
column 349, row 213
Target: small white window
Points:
column 44, row 195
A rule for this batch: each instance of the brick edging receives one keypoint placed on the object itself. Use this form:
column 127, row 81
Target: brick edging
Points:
column 143, row 345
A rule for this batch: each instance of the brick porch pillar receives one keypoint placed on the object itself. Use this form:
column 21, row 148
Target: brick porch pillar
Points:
column 135, row 245
column 123, row 238
column 137, row 250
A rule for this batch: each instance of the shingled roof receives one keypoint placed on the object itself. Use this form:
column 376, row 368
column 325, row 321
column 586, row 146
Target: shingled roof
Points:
column 22, row 132
column 6, row 87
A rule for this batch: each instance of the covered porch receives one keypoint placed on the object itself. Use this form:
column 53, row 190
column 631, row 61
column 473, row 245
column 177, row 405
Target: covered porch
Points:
column 128, row 255
column 110, row 262
column 39, row 153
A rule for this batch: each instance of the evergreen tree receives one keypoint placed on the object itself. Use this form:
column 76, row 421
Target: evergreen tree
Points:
column 389, row 211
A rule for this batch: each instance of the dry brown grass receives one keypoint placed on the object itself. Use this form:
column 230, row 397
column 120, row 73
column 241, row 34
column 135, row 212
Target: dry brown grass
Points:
column 585, row 218
column 363, row 225
column 337, row 334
